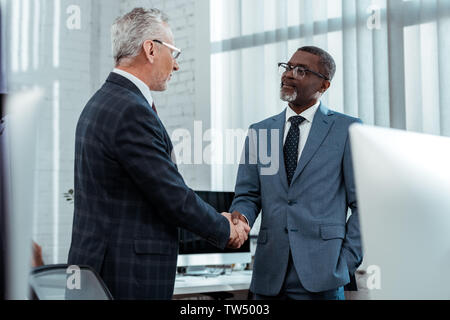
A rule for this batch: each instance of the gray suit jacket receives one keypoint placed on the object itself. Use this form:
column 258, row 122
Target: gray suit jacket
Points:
column 309, row 217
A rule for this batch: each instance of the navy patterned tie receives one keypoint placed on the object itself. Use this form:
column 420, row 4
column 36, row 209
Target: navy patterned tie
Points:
column 291, row 147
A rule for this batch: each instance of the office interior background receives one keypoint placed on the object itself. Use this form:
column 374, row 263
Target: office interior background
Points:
column 392, row 71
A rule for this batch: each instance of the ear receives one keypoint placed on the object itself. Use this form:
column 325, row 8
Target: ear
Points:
column 149, row 50
column 325, row 85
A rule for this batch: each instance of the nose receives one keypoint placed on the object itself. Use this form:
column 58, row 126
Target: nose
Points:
column 176, row 67
column 289, row 73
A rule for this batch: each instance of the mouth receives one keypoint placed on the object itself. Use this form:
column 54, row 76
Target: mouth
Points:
column 285, row 84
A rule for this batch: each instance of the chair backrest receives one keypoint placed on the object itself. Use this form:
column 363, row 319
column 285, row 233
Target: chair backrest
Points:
column 65, row 282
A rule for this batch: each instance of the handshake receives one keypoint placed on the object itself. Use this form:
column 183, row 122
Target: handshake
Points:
column 239, row 229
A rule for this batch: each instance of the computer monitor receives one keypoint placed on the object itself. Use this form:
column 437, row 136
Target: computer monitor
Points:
column 2, row 173
column 2, row 209
column 403, row 189
column 196, row 251
column 18, row 155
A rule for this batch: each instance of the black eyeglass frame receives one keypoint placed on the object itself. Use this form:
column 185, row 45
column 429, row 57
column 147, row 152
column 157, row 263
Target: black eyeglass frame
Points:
column 288, row 67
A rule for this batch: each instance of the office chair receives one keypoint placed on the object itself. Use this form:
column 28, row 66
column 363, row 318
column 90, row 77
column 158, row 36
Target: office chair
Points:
column 55, row 282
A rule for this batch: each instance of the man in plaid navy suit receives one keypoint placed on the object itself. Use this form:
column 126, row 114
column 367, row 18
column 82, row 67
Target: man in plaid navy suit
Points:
column 129, row 196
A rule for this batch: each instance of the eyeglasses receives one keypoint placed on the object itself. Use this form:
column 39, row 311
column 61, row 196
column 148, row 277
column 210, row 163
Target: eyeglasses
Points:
column 175, row 51
column 299, row 71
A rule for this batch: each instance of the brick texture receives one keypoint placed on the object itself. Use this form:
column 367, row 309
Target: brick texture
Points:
column 85, row 59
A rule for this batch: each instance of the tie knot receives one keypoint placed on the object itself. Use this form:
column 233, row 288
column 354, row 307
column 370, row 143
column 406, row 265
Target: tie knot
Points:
column 296, row 120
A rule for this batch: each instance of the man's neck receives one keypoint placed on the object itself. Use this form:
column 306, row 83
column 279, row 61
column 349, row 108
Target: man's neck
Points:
column 298, row 109
column 133, row 71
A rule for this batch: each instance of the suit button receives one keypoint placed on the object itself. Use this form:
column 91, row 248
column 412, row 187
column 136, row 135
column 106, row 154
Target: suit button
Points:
column 290, row 203
column 286, row 230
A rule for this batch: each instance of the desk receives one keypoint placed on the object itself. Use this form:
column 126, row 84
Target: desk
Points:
column 236, row 281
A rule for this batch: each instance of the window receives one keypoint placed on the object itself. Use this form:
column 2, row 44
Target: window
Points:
column 390, row 56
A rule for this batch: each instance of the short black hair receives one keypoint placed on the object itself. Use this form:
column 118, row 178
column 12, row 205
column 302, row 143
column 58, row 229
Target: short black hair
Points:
column 326, row 60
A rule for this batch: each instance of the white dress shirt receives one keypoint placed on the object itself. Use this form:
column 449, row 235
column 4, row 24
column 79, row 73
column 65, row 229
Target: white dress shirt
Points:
column 145, row 90
column 305, row 127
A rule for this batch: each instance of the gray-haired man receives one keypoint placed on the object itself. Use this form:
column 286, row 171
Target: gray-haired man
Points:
column 129, row 195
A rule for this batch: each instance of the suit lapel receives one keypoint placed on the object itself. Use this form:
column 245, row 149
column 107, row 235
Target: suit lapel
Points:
column 321, row 125
column 129, row 85
column 279, row 122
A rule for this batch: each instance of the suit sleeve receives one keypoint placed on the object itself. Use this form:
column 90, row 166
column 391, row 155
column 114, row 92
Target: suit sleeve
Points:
column 352, row 247
column 247, row 198
column 143, row 152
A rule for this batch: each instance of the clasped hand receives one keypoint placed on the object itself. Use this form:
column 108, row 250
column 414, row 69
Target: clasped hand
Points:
column 239, row 229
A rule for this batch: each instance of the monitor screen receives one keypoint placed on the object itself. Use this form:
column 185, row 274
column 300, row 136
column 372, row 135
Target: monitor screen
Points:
column 194, row 250
column 2, row 60
column 2, row 175
column 18, row 141
column 403, row 186
column 2, row 210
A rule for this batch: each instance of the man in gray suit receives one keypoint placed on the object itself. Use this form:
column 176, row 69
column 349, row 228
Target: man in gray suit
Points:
column 307, row 247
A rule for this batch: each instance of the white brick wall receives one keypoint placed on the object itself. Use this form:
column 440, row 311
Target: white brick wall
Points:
column 84, row 62
column 176, row 106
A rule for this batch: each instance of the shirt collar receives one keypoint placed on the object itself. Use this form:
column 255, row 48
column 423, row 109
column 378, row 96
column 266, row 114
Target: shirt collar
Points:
column 138, row 83
column 308, row 114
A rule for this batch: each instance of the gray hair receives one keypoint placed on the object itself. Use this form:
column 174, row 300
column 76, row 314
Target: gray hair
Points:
column 130, row 31
column 326, row 60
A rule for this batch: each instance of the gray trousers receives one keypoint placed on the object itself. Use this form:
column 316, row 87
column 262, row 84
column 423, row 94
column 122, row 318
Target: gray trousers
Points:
column 293, row 289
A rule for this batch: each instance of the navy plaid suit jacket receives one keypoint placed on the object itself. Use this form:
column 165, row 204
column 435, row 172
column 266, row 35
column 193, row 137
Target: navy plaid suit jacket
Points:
column 130, row 198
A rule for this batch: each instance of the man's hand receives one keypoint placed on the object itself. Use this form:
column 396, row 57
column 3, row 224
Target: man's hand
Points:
column 37, row 260
column 236, row 216
column 238, row 232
